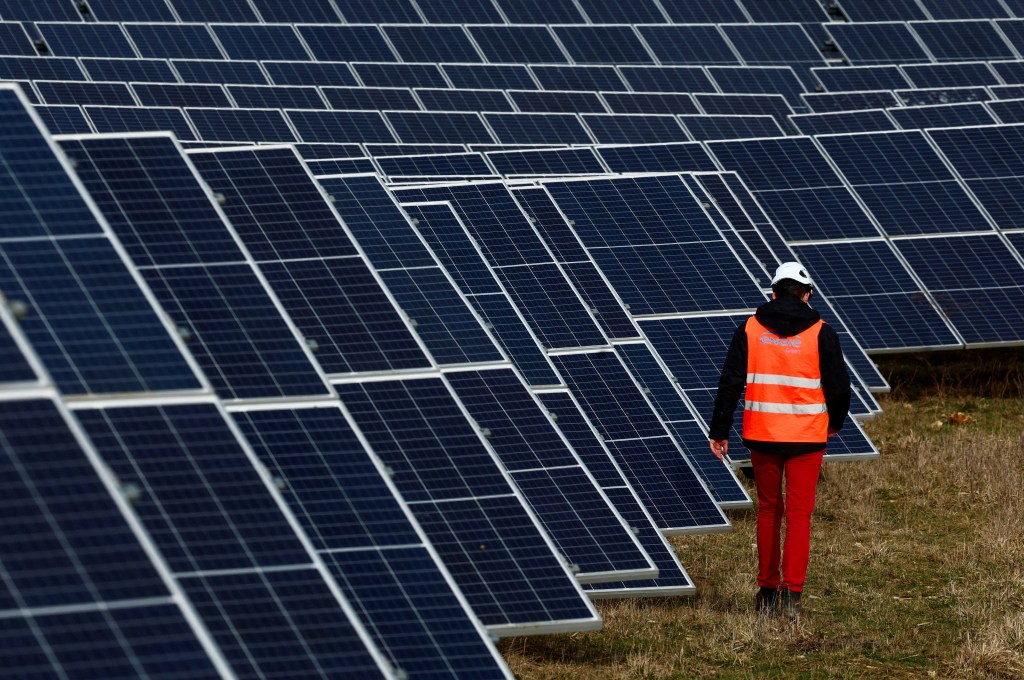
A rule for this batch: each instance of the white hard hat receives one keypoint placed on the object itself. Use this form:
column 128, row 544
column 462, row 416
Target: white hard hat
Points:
column 792, row 270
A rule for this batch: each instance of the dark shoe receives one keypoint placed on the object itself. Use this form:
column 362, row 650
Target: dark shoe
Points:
column 789, row 604
column 766, row 601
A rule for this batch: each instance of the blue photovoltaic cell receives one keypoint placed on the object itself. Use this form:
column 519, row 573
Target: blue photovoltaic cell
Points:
column 904, row 182
column 137, row 119
column 580, row 161
column 518, row 44
column 14, row 366
column 638, row 441
column 51, row 553
column 615, row 128
column 603, row 45
column 370, row 98
column 428, row 44
column 330, row 294
column 250, row 125
column 130, row 70
column 132, row 10
column 780, row 171
column 963, row 40
column 976, row 281
column 255, row 41
column 204, row 504
column 64, row 120
column 867, row 120
column 722, row 484
column 400, row 75
column 1008, row 110
column 78, row 93
column 669, row 79
column 228, row 10
column 174, row 95
column 515, row 338
column 391, row 580
column 847, row 78
column 942, row 115
column 447, row 236
column 747, row 105
column 293, row 608
column 153, row 200
column 650, row 102
column 390, row 12
column 551, row 101
column 276, row 97
column 881, row 304
column 342, row 127
column 490, row 76
column 657, row 158
column 309, row 73
column 88, row 320
column 699, row 45
column 774, row 44
column 565, row 498
column 785, row 10
column 216, row 72
column 174, row 41
column 892, row 10
column 537, row 128
column 463, row 100
column 990, row 162
column 950, row 75
column 704, row 127
column 86, row 40
column 942, row 95
column 541, row 11
column 759, row 80
column 687, row 12
column 1007, row 91
column 454, row 165
column 459, row 11
column 327, row 151
column 347, row 43
column 878, row 43
column 236, row 333
column 824, row 102
column 610, row 12
column 481, row 531
column 586, row 78
column 438, row 128
column 34, row 68
column 298, row 11
column 40, row 10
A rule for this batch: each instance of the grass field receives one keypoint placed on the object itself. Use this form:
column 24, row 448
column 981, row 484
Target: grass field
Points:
column 917, row 564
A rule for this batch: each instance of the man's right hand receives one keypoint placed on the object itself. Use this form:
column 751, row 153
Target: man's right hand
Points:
column 720, row 447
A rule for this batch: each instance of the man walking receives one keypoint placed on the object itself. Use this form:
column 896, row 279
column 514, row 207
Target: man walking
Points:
column 797, row 396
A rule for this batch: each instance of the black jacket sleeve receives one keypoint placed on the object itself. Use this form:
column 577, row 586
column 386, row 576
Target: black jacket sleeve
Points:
column 835, row 381
column 730, row 384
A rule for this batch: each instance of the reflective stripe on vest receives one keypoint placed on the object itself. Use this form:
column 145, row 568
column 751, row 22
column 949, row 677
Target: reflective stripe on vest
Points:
column 784, row 400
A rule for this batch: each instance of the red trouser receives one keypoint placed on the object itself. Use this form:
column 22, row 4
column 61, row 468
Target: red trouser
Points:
column 801, row 484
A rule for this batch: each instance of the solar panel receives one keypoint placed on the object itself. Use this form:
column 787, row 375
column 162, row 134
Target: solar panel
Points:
column 464, row 100
column 680, row 45
column 212, row 71
column 307, row 73
column 259, row 41
column 904, row 183
column 489, row 76
column 578, row 161
column 391, row 12
column 235, row 328
column 498, row 555
column 438, row 127
column 786, row 10
column 429, row 44
column 791, row 179
column 942, row 95
column 181, row 95
column 64, row 119
column 399, row 75
column 140, row 70
column 33, row 68
column 537, row 128
column 437, row 165
column 942, row 115
column 364, row 534
column 623, row 128
column 685, row 12
column 963, row 40
column 298, row 11
column 132, row 10
column 370, row 98
column 649, row 102
column 44, row 10
column 552, row 101
column 86, row 40
column 1008, row 110
column 975, row 280
column 276, row 97
column 1009, row 71
column 518, row 44
column 74, row 92
column 657, row 157
column 459, row 11
column 957, row 9
column 746, row 105
column 848, row 78
column 825, row 102
column 173, row 41
column 703, row 127
column 610, row 12
column 587, row 78
column 884, row 307
column 340, row 127
column 200, row 10
column 1007, row 91
column 249, row 125
column 865, row 120
column 759, row 80
column 603, row 44
column 950, row 75
column 674, row 79
column 541, row 11
column 138, row 119
column 878, row 43
column 763, row 43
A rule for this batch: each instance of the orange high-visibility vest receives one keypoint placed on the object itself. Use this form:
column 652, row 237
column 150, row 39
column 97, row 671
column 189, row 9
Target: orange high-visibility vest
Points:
column 784, row 401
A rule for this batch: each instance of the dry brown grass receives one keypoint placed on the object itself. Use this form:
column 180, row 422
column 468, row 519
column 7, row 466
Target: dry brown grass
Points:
column 917, row 570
